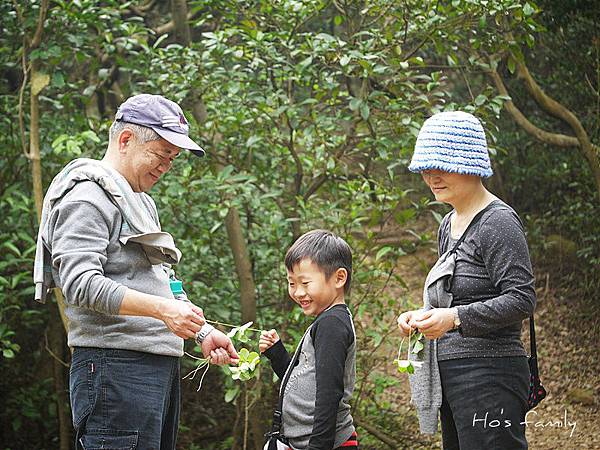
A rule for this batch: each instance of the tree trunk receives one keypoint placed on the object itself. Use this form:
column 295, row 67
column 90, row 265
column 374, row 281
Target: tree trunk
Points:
column 243, row 265
column 34, row 152
column 179, row 11
column 58, row 324
column 57, row 344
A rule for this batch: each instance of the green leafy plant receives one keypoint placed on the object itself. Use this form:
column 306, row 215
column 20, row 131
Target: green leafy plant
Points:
column 247, row 365
column 247, row 368
column 415, row 347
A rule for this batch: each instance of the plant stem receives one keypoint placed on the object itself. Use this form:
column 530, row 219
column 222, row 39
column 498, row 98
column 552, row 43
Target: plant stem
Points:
column 214, row 322
column 400, row 348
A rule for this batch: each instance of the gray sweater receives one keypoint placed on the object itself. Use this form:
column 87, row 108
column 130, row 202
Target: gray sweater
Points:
column 492, row 286
column 93, row 268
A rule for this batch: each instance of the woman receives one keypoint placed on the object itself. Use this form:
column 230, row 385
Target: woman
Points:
column 476, row 297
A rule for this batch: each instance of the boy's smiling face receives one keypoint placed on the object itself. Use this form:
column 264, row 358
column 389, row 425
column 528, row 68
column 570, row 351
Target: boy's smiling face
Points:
column 312, row 291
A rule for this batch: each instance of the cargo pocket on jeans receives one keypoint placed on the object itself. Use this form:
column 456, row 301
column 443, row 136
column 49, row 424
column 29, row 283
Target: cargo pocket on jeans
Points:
column 109, row 440
column 81, row 391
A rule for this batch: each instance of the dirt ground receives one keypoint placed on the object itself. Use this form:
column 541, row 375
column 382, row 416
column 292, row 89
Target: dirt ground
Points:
column 568, row 332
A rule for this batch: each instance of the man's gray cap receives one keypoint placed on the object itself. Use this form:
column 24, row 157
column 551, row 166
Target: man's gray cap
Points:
column 163, row 116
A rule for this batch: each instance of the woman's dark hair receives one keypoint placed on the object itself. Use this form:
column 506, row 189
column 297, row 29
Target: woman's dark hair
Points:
column 328, row 251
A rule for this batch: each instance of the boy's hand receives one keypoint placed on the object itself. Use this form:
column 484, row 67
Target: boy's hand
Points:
column 267, row 340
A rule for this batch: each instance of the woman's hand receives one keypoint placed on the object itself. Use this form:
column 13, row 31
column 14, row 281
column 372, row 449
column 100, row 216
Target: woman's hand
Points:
column 435, row 322
column 267, row 340
column 406, row 321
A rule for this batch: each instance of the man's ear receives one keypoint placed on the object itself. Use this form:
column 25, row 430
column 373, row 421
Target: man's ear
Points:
column 125, row 139
column 341, row 275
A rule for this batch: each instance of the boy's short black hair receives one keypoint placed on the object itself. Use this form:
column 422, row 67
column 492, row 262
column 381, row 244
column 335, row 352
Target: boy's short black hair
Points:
column 328, row 251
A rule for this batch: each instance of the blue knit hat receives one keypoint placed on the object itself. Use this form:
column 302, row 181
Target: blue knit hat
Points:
column 452, row 141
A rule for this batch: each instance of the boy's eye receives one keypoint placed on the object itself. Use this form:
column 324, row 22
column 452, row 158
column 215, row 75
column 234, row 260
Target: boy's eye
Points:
column 305, row 282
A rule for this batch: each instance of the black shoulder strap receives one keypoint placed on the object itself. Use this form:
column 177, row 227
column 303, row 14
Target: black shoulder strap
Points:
column 533, row 345
column 473, row 222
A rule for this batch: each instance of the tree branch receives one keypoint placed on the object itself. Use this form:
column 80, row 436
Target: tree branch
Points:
column 557, row 139
column 37, row 37
column 551, row 106
column 169, row 26
column 392, row 441
column 24, row 143
column 315, row 184
column 292, row 148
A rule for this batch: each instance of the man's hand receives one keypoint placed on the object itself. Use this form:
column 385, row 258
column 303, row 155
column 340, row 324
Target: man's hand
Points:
column 434, row 323
column 267, row 340
column 219, row 348
column 182, row 318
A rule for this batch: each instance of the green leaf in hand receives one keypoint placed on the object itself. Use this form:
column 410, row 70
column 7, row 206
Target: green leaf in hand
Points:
column 247, row 366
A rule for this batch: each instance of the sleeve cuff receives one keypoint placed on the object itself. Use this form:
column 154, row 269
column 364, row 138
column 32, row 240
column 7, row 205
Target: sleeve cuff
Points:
column 276, row 352
column 115, row 299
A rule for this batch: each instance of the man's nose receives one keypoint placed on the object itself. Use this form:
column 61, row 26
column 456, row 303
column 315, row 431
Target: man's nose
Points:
column 165, row 166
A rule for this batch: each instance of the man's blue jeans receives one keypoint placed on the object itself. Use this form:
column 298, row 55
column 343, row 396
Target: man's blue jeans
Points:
column 123, row 399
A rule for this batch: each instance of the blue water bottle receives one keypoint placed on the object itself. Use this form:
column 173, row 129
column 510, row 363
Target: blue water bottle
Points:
column 177, row 288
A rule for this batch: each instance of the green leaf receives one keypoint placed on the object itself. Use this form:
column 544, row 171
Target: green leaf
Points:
column 58, row 80
column 364, row 111
column 480, row 99
column 382, row 252
column 528, row 10
column 338, row 20
column 512, row 65
column 90, row 135
column 404, row 365
column 161, row 38
column 12, row 248
column 355, row 103
column 231, row 394
column 305, row 63
column 418, row 347
column 482, row 21
column 344, row 60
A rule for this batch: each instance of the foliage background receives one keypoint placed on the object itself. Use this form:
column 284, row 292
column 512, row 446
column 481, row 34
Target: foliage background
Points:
column 309, row 111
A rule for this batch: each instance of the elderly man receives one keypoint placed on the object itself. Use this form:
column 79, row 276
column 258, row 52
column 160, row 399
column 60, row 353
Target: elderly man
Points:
column 100, row 241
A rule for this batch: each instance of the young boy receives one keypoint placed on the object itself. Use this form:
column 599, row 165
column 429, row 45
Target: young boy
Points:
column 316, row 409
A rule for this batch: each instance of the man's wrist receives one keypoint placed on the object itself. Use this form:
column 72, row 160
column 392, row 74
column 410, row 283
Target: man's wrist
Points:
column 206, row 329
